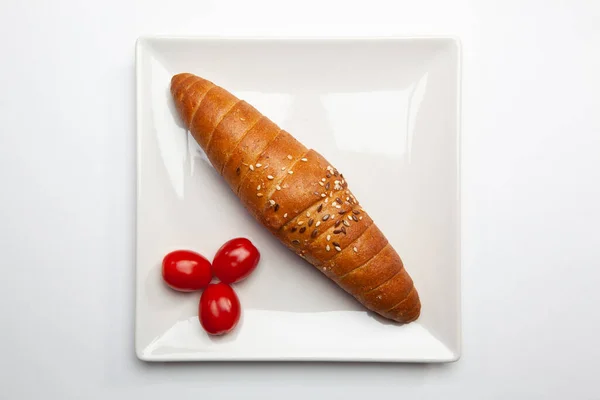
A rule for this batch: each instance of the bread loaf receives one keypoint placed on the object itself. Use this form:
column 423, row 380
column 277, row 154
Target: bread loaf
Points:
column 297, row 195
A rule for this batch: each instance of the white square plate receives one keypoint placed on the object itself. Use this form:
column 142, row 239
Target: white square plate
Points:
column 385, row 112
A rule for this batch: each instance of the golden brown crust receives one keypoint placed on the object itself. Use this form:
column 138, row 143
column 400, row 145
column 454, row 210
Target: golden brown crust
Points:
column 230, row 131
column 270, row 168
column 406, row 310
column 179, row 85
column 367, row 245
column 214, row 106
column 373, row 273
column 176, row 81
column 193, row 97
column 389, row 293
column 242, row 158
column 299, row 183
column 298, row 196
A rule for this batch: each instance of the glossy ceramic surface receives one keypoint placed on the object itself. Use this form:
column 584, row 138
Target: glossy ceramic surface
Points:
column 385, row 112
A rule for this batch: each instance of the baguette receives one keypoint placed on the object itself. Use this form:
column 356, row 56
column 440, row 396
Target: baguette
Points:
column 298, row 196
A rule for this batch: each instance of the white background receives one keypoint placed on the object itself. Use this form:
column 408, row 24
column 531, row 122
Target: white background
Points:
column 531, row 200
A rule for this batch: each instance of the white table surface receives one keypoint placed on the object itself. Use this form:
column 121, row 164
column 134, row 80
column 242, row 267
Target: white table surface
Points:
column 531, row 200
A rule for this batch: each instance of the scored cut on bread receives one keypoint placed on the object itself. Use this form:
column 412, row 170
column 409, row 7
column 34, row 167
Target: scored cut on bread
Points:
column 298, row 196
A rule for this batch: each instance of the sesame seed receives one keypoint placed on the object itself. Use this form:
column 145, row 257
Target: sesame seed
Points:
column 328, row 238
column 308, row 214
column 337, row 231
column 330, row 194
column 283, row 168
column 336, row 244
column 355, row 212
column 338, row 206
column 360, row 218
column 343, row 229
column 355, row 218
column 310, row 222
column 314, row 233
column 258, row 165
column 327, row 248
column 323, row 195
column 302, row 230
column 270, row 177
column 325, row 217
column 355, row 249
column 320, row 208
column 290, row 172
column 258, row 187
column 328, row 175
column 338, row 248
column 338, row 222
column 338, row 200
column 289, row 156
column 326, row 200
column 327, row 186
column 346, row 223
column 259, row 195
column 304, row 159
column 350, row 217
column 272, row 202
column 300, row 222
column 295, row 241
column 276, row 207
column 318, row 223
column 347, row 198
column 277, row 187
column 251, row 167
column 285, row 215
column 321, row 183
column 323, row 180
column 294, row 229
column 238, row 171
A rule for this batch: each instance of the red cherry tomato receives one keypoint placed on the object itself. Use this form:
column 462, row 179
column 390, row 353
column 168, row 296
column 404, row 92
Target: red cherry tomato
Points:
column 235, row 260
column 186, row 270
column 219, row 309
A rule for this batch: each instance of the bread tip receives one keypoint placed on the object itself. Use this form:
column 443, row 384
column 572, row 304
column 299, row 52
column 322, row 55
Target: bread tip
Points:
column 177, row 79
column 413, row 314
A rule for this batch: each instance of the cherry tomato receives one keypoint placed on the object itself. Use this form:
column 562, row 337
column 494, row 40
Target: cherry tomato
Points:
column 235, row 260
column 219, row 309
column 186, row 270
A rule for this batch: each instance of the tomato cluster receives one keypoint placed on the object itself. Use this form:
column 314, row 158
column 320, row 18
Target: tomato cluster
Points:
column 187, row 271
